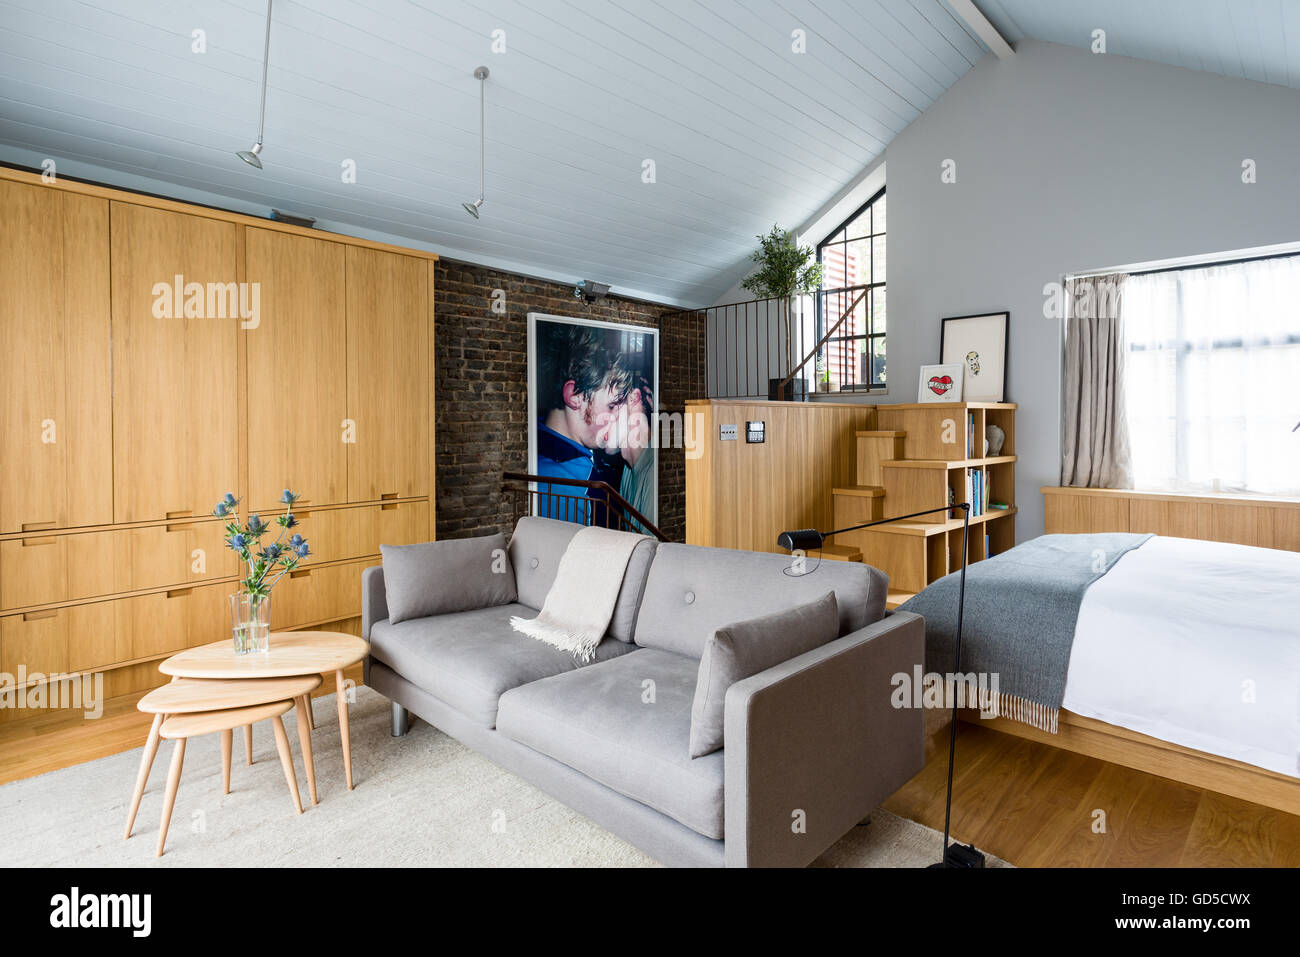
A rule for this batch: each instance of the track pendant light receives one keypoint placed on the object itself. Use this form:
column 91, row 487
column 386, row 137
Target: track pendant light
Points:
column 250, row 156
column 480, row 74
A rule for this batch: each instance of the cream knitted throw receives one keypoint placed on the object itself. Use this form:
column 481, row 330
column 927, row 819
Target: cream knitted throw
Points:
column 581, row 600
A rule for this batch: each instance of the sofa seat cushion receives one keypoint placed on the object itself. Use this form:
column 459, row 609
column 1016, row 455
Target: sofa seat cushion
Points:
column 469, row 658
column 601, row 720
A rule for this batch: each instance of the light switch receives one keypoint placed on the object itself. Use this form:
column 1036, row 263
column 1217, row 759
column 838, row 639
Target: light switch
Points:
column 728, row 433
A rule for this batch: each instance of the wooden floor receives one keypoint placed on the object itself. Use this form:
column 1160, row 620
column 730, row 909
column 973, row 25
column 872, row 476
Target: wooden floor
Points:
column 1028, row 803
column 59, row 739
column 1035, row 806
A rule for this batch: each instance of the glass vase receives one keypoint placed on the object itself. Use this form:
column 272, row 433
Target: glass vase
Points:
column 251, row 623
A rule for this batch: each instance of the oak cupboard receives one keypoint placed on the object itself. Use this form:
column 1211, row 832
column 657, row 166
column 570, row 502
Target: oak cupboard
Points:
column 55, row 366
column 388, row 375
column 108, row 559
column 297, row 369
column 175, row 377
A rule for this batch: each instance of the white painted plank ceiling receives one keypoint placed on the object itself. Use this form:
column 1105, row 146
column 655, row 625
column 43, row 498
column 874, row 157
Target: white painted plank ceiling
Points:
column 743, row 131
column 1249, row 39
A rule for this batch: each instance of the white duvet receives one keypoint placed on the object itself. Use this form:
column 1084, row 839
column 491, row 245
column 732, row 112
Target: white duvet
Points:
column 1196, row 643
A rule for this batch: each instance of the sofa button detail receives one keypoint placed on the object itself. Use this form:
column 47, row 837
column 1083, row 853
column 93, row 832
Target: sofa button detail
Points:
column 690, row 597
column 532, row 563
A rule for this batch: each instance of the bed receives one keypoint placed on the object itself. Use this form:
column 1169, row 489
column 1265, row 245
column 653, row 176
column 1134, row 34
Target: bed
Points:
column 1180, row 657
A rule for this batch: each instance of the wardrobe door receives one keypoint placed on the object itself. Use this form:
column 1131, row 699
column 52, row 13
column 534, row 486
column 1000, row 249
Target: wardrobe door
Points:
column 56, row 428
column 389, row 379
column 175, row 357
column 297, row 370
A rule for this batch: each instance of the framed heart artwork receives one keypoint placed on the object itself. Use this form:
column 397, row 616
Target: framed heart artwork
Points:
column 979, row 343
column 941, row 383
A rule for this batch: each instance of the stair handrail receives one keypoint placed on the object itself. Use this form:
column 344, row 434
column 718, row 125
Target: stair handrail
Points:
column 614, row 497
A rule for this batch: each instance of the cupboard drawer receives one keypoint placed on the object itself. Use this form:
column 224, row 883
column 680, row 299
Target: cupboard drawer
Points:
column 167, row 622
column 318, row 594
column 331, row 533
column 80, row 638
column 41, row 570
column 402, row 523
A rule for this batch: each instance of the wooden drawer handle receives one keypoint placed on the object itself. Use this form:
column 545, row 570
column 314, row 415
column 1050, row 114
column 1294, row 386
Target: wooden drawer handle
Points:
column 301, row 573
column 387, row 495
column 30, row 542
column 179, row 592
column 391, row 507
column 177, row 528
column 182, row 513
column 35, row 526
column 38, row 615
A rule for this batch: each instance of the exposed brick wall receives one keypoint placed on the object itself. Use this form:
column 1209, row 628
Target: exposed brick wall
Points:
column 482, row 381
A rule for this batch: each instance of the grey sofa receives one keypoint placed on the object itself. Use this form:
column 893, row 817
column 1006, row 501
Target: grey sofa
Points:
column 811, row 746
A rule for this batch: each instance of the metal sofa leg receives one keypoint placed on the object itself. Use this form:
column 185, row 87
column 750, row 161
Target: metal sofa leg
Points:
column 401, row 720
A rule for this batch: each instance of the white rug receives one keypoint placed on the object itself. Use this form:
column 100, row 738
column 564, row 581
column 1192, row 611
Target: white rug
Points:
column 420, row 800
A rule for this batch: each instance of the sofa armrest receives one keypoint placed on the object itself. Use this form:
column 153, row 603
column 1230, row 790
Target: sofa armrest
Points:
column 374, row 600
column 815, row 744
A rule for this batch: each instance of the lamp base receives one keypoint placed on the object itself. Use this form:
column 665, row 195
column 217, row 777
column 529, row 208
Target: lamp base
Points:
column 962, row 856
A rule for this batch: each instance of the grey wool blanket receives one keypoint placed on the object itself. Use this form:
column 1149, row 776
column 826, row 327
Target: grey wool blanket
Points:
column 1021, row 610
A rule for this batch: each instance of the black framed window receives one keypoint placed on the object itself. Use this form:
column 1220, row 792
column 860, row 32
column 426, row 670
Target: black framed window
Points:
column 853, row 265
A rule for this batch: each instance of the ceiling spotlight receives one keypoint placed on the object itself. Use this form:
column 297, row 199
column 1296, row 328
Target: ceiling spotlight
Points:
column 251, row 156
column 588, row 290
column 480, row 74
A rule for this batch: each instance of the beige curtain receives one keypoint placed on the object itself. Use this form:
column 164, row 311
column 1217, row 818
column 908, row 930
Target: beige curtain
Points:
column 1096, row 451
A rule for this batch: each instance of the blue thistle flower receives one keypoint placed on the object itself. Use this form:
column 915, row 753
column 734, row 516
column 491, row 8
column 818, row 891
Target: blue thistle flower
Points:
column 288, row 498
column 255, row 525
column 237, row 543
column 301, row 550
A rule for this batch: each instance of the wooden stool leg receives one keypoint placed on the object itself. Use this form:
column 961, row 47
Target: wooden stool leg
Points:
column 142, row 778
column 248, row 743
column 304, row 741
column 343, row 725
column 227, row 745
column 286, row 759
column 311, row 715
column 173, row 782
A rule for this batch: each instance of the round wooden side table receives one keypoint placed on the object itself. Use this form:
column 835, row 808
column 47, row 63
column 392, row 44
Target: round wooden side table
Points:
column 189, row 707
column 292, row 653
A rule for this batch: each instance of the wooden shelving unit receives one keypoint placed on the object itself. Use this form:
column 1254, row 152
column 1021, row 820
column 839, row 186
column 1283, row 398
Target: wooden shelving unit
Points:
column 919, row 457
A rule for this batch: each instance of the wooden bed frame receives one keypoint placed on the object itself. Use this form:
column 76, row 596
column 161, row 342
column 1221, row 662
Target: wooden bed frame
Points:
column 1269, row 523
column 1118, row 745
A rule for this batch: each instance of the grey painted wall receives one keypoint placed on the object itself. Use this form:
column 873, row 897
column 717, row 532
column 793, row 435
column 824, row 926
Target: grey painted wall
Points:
column 1068, row 161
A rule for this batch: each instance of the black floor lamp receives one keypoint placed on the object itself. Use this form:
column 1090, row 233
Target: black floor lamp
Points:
column 809, row 539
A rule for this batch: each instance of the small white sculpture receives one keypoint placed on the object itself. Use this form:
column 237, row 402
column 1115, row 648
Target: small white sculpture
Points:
column 994, row 437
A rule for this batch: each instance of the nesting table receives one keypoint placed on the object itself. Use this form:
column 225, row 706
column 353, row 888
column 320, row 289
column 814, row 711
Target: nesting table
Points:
column 292, row 653
column 214, row 690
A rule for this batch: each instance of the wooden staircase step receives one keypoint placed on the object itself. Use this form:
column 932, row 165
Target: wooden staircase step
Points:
column 946, row 463
column 841, row 553
column 865, row 491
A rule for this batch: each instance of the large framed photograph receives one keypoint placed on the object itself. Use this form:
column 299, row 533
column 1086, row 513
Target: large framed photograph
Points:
column 593, row 393
column 979, row 343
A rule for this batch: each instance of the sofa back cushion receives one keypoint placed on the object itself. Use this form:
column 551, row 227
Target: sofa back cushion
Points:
column 535, row 551
column 438, row 578
column 692, row 591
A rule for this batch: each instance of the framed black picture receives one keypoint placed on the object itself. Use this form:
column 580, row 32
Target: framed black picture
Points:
column 979, row 343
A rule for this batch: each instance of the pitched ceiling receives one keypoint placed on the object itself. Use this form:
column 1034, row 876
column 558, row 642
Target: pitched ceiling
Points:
column 743, row 131
column 1249, row 39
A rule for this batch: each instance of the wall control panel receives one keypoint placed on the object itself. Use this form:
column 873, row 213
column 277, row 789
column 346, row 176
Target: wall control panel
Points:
column 755, row 432
column 727, row 433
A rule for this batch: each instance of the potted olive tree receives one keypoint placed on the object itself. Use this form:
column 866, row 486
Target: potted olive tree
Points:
column 785, row 270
